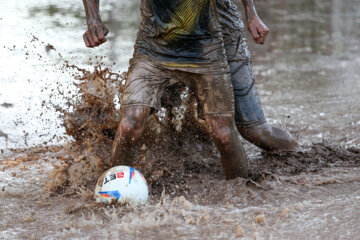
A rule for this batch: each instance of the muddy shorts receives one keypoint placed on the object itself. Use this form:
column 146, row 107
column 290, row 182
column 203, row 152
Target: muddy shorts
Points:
column 146, row 82
column 248, row 109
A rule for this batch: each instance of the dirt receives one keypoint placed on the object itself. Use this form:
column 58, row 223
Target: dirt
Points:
column 57, row 124
column 179, row 158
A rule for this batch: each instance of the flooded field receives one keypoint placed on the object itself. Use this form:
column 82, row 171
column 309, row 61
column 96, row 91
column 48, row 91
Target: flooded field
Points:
column 307, row 77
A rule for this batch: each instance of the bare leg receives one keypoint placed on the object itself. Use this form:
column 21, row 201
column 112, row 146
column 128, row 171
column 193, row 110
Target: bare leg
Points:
column 130, row 129
column 227, row 140
column 268, row 137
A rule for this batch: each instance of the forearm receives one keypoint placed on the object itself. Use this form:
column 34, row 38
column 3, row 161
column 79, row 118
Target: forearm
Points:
column 254, row 24
column 96, row 32
column 249, row 7
column 92, row 11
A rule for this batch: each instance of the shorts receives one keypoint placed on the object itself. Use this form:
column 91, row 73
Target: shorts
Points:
column 146, row 82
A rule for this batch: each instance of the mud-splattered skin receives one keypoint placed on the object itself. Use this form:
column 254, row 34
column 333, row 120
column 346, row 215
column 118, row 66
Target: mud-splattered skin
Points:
column 263, row 135
column 254, row 24
column 199, row 27
column 95, row 35
column 222, row 129
column 249, row 115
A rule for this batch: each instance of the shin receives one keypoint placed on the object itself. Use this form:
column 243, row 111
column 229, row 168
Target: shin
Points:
column 129, row 131
column 227, row 140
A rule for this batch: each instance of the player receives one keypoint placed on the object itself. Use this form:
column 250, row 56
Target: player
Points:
column 178, row 40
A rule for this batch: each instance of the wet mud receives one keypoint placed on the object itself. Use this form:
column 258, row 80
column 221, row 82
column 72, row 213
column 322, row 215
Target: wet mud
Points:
column 308, row 84
column 175, row 153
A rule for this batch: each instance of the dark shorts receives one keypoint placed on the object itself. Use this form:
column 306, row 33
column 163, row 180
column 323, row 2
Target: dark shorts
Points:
column 146, row 82
column 248, row 109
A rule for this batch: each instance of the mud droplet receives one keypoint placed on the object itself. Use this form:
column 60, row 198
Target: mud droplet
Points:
column 260, row 219
column 191, row 220
column 299, row 206
column 7, row 105
column 284, row 212
column 239, row 232
column 49, row 47
column 205, row 216
column 185, row 203
column 29, row 219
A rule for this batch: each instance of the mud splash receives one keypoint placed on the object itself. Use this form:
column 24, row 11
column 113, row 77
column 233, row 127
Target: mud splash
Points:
column 307, row 80
column 173, row 142
column 175, row 153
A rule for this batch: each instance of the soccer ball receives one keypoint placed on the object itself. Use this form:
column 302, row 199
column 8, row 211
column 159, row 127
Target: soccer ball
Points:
column 121, row 184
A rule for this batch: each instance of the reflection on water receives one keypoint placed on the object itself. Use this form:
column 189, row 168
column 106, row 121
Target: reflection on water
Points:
column 326, row 27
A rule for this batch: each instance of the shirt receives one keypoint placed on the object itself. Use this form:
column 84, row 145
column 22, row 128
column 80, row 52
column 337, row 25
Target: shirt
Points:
column 181, row 34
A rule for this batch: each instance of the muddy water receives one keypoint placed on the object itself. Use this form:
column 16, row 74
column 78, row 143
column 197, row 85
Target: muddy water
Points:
column 308, row 81
column 33, row 81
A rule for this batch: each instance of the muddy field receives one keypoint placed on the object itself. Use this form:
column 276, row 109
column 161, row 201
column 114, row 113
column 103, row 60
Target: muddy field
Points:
column 57, row 123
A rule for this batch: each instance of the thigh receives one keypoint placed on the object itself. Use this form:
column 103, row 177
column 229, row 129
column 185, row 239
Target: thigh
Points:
column 144, row 85
column 213, row 92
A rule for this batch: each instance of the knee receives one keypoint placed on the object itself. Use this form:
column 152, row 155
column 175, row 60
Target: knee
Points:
column 223, row 135
column 221, row 131
column 131, row 125
column 127, row 127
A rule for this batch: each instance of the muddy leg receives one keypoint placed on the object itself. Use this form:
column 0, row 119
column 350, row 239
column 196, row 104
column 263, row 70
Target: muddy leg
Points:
column 130, row 129
column 249, row 114
column 227, row 140
column 268, row 137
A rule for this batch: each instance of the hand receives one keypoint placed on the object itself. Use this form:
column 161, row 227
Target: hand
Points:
column 95, row 35
column 257, row 29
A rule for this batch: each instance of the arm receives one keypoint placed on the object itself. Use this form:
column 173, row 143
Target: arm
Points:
column 96, row 32
column 254, row 24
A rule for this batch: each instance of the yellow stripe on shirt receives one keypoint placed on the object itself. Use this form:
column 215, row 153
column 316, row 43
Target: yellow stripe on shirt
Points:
column 184, row 19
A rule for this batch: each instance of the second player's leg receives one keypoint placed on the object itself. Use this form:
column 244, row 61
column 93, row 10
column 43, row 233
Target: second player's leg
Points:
column 268, row 137
column 249, row 115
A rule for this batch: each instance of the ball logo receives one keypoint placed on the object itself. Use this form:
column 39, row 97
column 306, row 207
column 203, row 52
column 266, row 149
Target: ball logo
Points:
column 114, row 176
column 123, row 183
column 109, row 194
column 132, row 174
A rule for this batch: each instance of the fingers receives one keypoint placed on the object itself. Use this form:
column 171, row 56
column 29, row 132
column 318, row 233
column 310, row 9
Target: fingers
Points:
column 95, row 36
column 89, row 37
column 100, row 35
column 262, row 35
column 257, row 29
column 106, row 31
column 86, row 40
column 255, row 34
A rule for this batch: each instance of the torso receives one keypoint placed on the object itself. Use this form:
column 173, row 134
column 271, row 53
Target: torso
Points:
column 181, row 34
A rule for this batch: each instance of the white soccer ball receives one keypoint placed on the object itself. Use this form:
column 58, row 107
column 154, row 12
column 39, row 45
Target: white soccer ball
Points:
column 122, row 184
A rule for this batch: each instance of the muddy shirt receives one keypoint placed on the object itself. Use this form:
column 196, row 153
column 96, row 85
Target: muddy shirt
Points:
column 181, row 34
